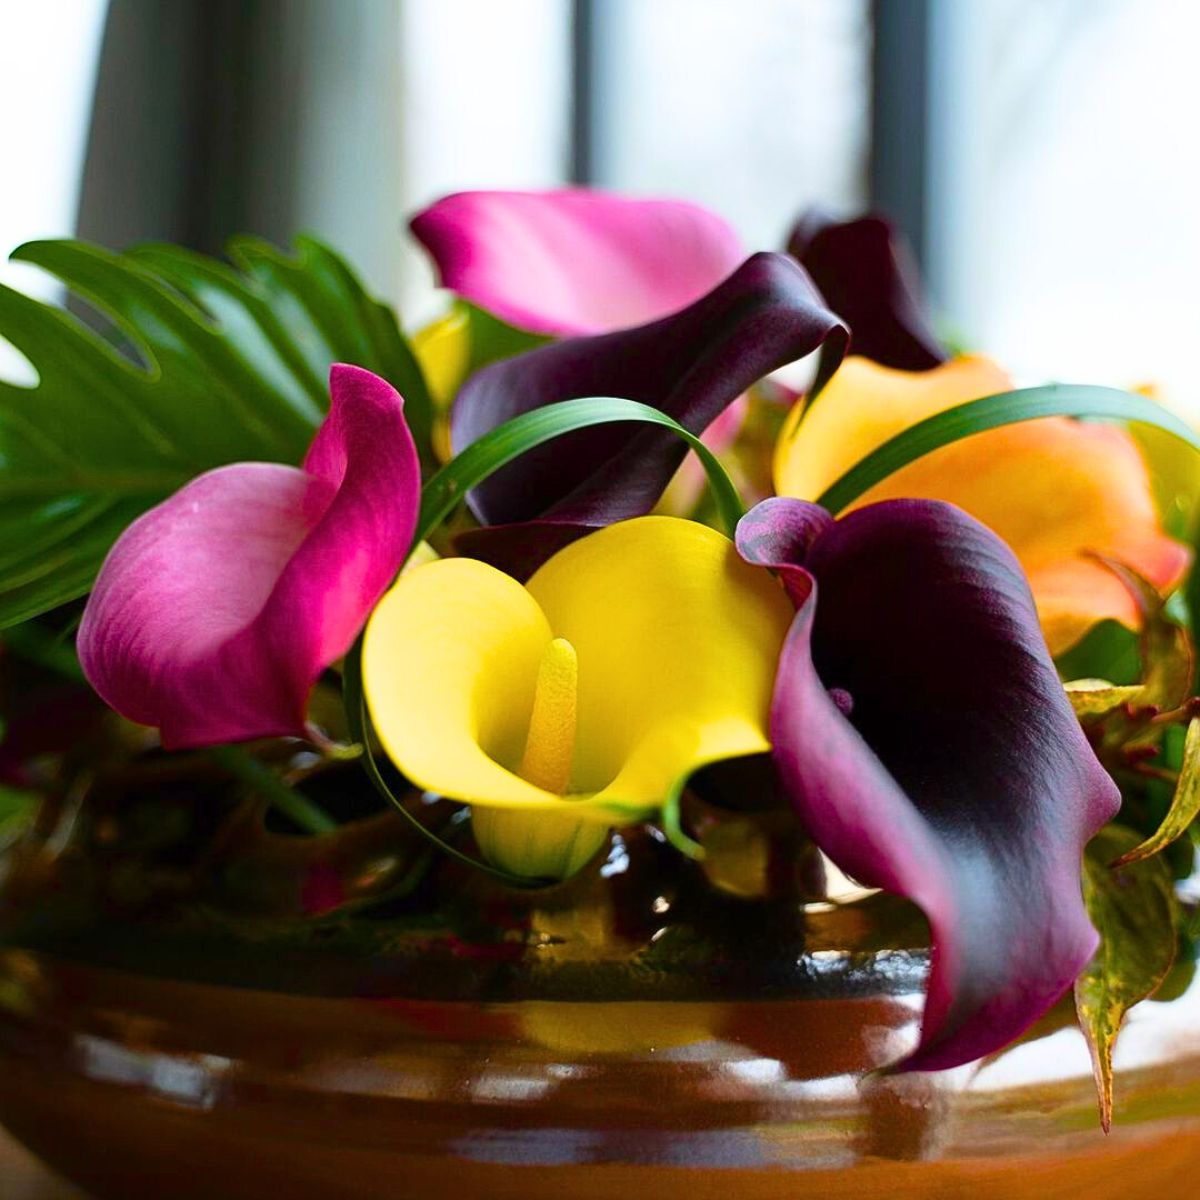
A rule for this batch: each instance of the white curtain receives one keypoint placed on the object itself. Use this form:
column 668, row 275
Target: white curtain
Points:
column 48, row 55
column 1068, row 188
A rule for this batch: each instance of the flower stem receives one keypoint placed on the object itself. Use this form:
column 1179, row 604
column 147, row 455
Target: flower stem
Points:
column 293, row 804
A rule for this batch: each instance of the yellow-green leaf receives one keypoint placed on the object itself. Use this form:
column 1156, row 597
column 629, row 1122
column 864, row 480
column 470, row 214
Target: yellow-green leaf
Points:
column 17, row 809
column 1135, row 911
column 1166, row 648
column 1185, row 804
column 1098, row 697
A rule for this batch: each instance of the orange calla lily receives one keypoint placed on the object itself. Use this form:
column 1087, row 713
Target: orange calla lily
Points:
column 1058, row 491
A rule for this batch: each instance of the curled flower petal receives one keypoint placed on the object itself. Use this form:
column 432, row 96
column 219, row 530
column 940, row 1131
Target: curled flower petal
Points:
column 1058, row 491
column 215, row 612
column 870, row 280
column 692, row 365
column 953, row 771
column 778, row 533
column 575, row 261
column 675, row 638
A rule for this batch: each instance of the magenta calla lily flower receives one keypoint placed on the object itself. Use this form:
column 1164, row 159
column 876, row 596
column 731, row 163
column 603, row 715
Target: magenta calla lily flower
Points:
column 869, row 278
column 692, row 365
column 927, row 745
column 576, row 261
column 215, row 612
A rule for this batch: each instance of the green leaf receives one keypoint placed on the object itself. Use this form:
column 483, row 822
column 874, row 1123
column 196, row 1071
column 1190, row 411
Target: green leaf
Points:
column 37, row 644
column 17, row 810
column 1108, row 651
column 992, row 412
column 327, row 313
column 512, row 439
column 1185, row 803
column 1164, row 646
column 231, row 366
column 1135, row 911
column 491, row 339
column 1174, row 477
column 1098, row 697
column 1191, row 596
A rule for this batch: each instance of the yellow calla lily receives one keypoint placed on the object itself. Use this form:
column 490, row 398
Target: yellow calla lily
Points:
column 579, row 700
column 1056, row 490
column 443, row 352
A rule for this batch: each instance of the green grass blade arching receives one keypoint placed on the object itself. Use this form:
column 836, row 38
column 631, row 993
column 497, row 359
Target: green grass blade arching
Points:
column 512, row 439
column 992, row 412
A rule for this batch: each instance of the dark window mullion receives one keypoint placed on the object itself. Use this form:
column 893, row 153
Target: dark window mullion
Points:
column 900, row 115
column 585, row 18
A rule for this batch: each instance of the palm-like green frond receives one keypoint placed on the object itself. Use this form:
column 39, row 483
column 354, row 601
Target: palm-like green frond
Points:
column 233, row 368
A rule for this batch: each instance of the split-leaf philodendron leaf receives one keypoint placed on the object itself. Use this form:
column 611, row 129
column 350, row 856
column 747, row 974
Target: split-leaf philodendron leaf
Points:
column 234, row 366
column 1135, row 911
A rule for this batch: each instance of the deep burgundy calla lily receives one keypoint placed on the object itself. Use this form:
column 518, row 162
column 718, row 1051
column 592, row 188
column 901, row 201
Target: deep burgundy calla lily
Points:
column 215, row 612
column 927, row 745
column 868, row 277
column 691, row 365
column 575, row 260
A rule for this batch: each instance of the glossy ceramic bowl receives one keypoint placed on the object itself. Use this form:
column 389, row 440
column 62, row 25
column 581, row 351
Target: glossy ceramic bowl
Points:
column 274, row 1016
column 134, row 1086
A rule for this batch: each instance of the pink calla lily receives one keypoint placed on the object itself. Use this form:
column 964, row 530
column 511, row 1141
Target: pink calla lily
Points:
column 216, row 611
column 574, row 261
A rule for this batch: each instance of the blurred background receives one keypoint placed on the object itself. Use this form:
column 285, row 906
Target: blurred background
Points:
column 1040, row 154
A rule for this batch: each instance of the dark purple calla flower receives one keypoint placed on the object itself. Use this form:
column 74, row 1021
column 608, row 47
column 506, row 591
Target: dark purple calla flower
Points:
column 691, row 365
column 927, row 744
column 868, row 277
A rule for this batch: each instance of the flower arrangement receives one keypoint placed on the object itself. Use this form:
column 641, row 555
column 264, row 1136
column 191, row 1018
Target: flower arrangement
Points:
column 950, row 618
